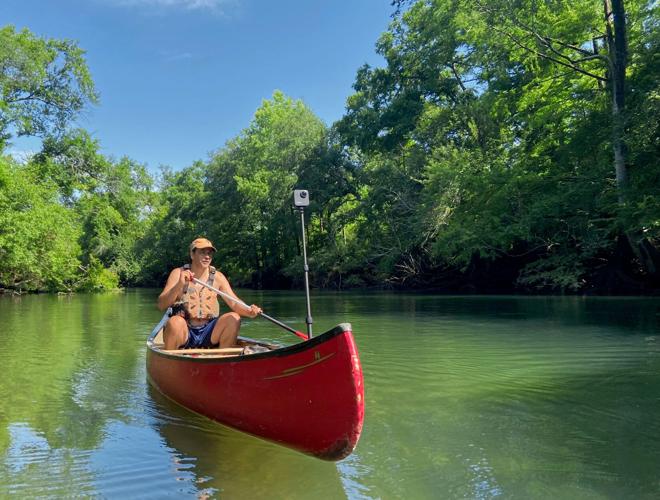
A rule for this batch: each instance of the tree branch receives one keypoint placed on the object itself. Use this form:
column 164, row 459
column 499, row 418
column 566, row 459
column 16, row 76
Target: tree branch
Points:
column 568, row 45
column 458, row 78
column 547, row 42
column 550, row 58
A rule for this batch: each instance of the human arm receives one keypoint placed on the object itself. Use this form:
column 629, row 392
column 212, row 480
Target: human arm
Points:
column 174, row 286
column 222, row 284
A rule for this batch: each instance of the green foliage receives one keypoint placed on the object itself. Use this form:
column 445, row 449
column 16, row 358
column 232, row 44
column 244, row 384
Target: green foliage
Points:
column 176, row 218
column 44, row 83
column 73, row 162
column 114, row 218
column 97, row 278
column 480, row 157
column 70, row 217
column 38, row 236
column 250, row 182
column 487, row 139
column 111, row 199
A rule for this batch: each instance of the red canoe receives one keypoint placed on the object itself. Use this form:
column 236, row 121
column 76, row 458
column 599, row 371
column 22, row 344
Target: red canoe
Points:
column 308, row 396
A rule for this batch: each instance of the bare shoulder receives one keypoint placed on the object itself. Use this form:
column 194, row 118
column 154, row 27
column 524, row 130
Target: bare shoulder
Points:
column 173, row 277
column 172, row 280
column 220, row 281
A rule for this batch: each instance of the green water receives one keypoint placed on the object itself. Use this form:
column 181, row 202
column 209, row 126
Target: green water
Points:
column 466, row 397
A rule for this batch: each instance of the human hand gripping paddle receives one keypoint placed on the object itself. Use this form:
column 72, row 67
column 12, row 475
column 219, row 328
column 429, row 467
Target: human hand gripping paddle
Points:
column 262, row 314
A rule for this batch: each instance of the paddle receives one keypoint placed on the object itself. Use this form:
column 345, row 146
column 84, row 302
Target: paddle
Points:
column 263, row 315
column 161, row 323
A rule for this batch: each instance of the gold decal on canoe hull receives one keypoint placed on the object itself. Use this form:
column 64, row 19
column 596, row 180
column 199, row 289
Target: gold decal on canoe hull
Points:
column 299, row 369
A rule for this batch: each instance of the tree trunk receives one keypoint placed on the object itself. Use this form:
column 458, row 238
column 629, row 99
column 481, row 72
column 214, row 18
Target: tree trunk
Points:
column 618, row 51
column 617, row 44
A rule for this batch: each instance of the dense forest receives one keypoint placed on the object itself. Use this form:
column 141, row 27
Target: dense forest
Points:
column 504, row 146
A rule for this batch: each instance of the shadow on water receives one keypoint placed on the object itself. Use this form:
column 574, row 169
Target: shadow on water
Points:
column 212, row 459
column 623, row 313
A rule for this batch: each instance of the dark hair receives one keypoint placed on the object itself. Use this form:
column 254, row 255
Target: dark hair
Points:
column 178, row 308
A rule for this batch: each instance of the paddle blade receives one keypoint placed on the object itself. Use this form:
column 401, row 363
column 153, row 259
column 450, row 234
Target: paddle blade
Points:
column 301, row 335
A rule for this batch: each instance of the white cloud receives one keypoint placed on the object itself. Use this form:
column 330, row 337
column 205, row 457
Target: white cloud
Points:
column 212, row 5
column 176, row 56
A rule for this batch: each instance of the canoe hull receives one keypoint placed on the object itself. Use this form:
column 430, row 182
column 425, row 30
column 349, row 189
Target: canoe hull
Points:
column 309, row 396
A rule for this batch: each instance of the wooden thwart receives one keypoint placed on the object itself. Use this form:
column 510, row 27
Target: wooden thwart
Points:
column 214, row 356
column 224, row 350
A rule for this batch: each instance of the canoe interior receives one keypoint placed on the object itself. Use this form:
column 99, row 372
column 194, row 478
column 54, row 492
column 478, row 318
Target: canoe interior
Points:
column 244, row 347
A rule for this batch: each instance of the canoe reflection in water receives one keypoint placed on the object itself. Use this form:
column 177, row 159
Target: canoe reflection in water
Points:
column 214, row 460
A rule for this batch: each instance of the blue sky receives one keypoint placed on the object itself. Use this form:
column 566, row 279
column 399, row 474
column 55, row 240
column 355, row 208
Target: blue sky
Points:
column 178, row 78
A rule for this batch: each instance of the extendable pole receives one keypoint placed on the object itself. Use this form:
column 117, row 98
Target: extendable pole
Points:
column 308, row 319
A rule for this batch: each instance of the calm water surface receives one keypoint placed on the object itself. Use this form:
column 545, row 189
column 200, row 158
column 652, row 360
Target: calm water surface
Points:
column 466, row 397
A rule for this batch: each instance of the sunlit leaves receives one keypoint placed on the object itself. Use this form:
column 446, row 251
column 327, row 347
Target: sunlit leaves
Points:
column 514, row 136
column 241, row 198
column 38, row 236
column 44, row 84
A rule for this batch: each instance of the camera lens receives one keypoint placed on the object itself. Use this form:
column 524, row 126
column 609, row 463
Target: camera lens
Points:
column 303, row 194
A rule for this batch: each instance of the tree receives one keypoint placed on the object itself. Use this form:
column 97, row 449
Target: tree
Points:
column 250, row 182
column 591, row 39
column 110, row 198
column 44, row 84
column 114, row 218
column 38, row 236
column 72, row 162
column 177, row 217
column 330, row 173
column 498, row 113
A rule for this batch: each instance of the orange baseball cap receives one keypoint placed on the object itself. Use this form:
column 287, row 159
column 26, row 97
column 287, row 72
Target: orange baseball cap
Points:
column 201, row 243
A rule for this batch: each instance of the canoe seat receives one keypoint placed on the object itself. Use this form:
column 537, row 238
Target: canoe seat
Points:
column 248, row 348
column 253, row 349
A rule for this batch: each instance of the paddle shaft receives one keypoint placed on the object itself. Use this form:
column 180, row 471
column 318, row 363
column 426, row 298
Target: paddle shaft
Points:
column 161, row 324
column 241, row 303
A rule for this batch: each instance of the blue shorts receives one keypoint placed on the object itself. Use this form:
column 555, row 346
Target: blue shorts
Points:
column 200, row 336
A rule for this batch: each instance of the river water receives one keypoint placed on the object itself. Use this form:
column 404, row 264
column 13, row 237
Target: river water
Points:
column 466, row 397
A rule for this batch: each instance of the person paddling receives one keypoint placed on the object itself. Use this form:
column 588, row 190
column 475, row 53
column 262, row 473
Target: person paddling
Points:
column 196, row 320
